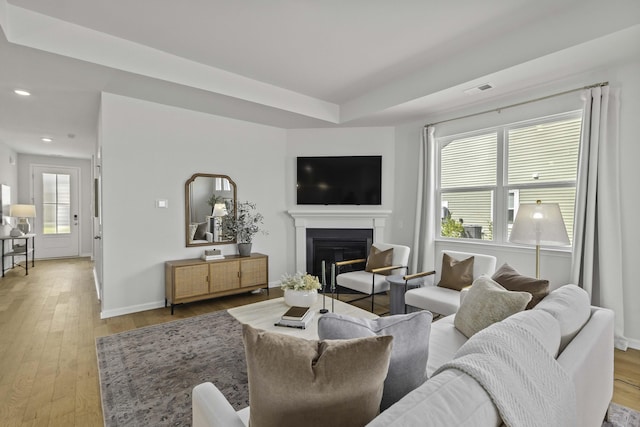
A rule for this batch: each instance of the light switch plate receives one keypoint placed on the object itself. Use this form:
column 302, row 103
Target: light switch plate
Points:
column 162, row 203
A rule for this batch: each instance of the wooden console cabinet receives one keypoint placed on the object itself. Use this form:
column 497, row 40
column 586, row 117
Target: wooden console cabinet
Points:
column 190, row 280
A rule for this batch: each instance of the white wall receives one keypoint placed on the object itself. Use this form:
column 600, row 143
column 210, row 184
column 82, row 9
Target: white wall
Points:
column 8, row 176
column 9, row 171
column 148, row 152
column 25, row 193
column 555, row 265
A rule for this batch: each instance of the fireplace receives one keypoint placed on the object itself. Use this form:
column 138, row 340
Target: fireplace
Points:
column 336, row 244
column 358, row 218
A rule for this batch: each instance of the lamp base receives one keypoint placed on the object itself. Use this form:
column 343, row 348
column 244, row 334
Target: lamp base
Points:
column 24, row 226
column 15, row 232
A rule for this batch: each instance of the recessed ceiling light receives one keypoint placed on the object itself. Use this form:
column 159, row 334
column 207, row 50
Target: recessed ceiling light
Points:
column 21, row 92
column 47, row 140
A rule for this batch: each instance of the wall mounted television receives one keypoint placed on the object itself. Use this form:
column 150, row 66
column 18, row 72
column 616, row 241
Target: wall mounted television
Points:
column 339, row 180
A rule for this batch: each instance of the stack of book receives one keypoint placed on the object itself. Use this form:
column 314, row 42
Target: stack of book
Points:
column 212, row 254
column 296, row 317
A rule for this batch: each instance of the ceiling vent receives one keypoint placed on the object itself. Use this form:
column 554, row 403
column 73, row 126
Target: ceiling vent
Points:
column 481, row 88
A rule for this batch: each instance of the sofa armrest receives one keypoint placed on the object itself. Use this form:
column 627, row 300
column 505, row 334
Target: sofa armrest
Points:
column 209, row 236
column 211, row 409
column 588, row 359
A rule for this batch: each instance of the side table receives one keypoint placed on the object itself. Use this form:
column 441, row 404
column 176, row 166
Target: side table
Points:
column 399, row 284
column 12, row 253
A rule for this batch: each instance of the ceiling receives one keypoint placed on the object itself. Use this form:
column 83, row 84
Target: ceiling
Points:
column 288, row 63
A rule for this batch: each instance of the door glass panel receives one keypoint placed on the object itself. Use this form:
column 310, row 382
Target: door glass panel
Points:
column 56, row 206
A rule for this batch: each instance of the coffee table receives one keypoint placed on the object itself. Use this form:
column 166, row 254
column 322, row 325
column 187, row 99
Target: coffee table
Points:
column 264, row 315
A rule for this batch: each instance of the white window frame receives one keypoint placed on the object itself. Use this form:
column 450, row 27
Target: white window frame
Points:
column 500, row 191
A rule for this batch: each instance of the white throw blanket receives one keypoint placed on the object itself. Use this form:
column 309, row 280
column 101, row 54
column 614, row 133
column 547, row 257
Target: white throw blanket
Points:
column 525, row 382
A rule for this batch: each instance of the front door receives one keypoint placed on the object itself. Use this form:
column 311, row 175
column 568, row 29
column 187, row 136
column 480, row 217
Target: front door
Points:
column 55, row 192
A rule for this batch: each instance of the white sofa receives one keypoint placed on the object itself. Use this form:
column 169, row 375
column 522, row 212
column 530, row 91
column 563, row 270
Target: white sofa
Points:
column 453, row 398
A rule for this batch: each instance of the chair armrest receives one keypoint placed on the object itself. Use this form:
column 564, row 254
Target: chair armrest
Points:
column 211, row 409
column 417, row 275
column 388, row 268
column 349, row 262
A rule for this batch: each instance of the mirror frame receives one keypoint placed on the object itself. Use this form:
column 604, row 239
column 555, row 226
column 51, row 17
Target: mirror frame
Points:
column 187, row 207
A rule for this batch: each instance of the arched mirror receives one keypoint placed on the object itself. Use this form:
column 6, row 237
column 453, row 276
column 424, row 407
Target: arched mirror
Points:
column 209, row 199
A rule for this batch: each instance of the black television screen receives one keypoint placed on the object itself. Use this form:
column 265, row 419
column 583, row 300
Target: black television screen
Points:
column 339, row 180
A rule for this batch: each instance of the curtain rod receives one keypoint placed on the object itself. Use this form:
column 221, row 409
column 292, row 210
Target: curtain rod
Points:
column 497, row 110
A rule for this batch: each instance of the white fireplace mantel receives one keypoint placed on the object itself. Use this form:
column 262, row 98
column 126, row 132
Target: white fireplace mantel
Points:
column 374, row 219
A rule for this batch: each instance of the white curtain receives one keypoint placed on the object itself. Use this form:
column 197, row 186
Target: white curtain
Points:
column 424, row 239
column 597, row 250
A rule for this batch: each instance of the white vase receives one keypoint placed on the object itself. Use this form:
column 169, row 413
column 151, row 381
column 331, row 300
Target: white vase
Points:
column 300, row 298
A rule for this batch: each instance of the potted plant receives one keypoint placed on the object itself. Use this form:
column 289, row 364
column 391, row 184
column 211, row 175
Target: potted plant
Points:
column 245, row 224
column 300, row 290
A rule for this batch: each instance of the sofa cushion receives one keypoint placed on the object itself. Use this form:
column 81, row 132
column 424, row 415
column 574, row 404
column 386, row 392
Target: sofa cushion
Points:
column 294, row 382
column 542, row 325
column 444, row 341
column 486, row 303
column 571, row 307
column 456, row 274
column 410, row 332
column 379, row 259
column 511, row 280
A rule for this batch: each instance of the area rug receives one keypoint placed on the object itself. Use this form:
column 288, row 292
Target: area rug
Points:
column 621, row 416
column 147, row 374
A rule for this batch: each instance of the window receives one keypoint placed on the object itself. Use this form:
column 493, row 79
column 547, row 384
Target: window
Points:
column 56, row 203
column 485, row 175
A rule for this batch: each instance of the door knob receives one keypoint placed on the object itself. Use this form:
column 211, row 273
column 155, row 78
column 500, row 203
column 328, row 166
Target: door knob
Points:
column 97, row 237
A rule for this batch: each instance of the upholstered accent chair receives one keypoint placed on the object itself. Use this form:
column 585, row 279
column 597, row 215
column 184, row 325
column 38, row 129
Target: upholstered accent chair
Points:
column 383, row 259
column 440, row 298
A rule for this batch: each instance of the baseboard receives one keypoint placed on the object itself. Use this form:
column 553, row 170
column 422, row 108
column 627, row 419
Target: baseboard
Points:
column 635, row 344
column 105, row 314
column 96, row 282
column 143, row 307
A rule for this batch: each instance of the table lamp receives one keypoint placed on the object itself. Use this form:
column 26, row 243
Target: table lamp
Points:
column 23, row 213
column 539, row 224
column 219, row 210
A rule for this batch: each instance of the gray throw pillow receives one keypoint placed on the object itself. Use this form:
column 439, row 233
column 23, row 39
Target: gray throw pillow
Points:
column 410, row 332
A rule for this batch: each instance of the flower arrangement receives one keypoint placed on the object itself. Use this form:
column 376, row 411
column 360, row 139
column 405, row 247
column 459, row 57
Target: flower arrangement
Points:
column 246, row 223
column 300, row 282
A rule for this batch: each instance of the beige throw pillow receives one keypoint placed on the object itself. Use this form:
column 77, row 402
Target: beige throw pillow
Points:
column 298, row 382
column 511, row 280
column 378, row 259
column 486, row 303
column 456, row 274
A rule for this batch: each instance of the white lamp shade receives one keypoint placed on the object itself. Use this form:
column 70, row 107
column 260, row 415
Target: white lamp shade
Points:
column 22, row 211
column 539, row 224
column 219, row 209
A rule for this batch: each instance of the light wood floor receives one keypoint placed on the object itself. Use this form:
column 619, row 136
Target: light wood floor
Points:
column 48, row 324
